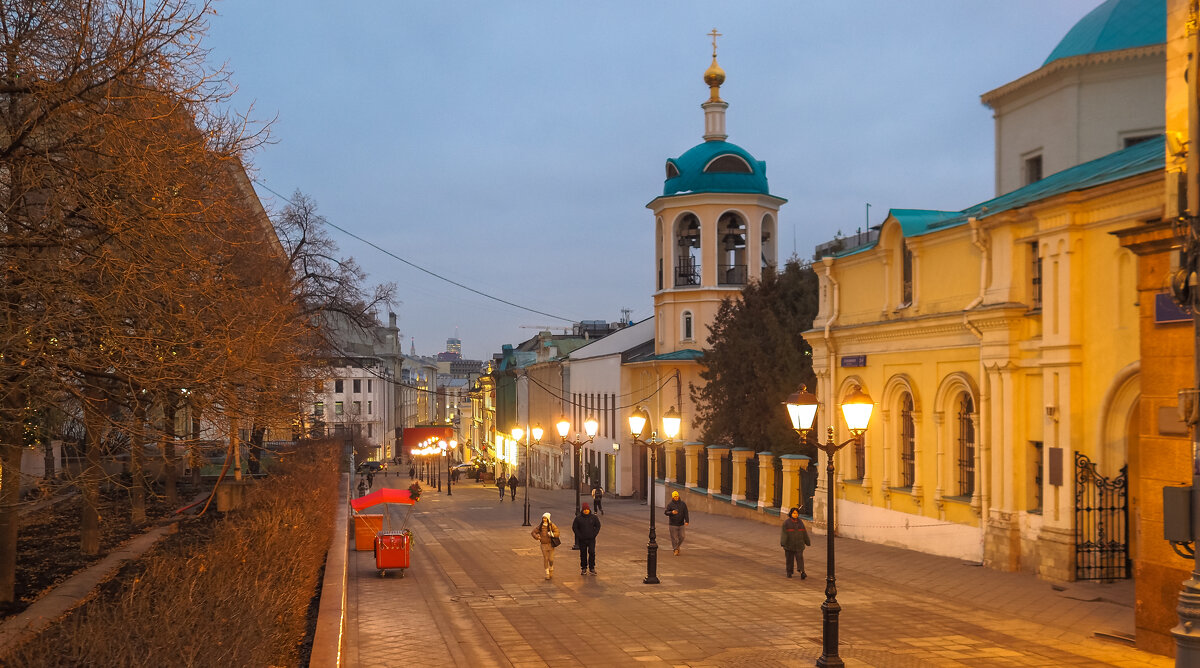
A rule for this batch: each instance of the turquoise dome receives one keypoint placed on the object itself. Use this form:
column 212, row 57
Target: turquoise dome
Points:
column 716, row 167
column 1115, row 25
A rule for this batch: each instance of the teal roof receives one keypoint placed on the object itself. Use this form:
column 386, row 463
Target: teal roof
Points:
column 693, row 179
column 1115, row 25
column 1140, row 158
column 685, row 354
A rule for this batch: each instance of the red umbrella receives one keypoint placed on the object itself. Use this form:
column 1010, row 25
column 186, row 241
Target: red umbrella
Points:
column 382, row 495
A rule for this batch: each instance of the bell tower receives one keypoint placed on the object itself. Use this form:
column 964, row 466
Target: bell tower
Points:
column 715, row 228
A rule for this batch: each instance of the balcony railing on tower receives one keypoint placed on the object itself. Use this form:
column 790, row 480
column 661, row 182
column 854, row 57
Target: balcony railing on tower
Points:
column 687, row 271
column 731, row 274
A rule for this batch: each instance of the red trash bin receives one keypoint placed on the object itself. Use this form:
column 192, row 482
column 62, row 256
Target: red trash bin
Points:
column 392, row 552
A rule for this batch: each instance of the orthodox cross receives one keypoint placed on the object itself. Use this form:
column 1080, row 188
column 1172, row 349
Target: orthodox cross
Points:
column 715, row 35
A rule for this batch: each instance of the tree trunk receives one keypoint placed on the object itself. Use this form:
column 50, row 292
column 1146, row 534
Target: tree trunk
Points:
column 137, row 469
column 170, row 475
column 256, row 449
column 48, row 458
column 89, row 481
column 10, row 521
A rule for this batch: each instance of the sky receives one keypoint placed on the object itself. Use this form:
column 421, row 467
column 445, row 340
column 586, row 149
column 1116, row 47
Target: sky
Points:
column 511, row 146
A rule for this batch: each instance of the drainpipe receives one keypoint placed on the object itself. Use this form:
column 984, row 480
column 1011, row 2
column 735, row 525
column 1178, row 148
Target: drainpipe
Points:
column 835, row 296
column 983, row 493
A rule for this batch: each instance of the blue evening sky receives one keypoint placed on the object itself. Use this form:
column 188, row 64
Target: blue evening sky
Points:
column 512, row 145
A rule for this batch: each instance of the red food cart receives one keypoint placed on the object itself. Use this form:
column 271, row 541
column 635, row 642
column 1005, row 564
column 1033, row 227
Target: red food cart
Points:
column 393, row 541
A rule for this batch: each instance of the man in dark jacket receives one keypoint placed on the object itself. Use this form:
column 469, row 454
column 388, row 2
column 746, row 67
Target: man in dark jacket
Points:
column 500, row 486
column 586, row 526
column 793, row 539
column 677, row 515
column 512, row 485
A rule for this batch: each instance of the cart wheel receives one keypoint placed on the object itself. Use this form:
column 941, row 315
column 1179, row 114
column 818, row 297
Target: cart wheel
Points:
column 382, row 573
column 402, row 573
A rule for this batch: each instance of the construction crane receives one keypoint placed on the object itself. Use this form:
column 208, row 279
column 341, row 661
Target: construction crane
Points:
column 548, row 328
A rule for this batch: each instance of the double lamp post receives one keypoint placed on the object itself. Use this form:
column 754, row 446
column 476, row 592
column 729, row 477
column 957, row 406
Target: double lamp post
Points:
column 856, row 409
column 591, row 427
column 536, row 435
column 637, row 425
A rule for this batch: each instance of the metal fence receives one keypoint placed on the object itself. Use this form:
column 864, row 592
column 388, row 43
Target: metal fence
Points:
column 752, row 479
column 727, row 473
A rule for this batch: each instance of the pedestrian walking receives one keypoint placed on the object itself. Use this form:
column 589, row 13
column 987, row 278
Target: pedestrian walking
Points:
column 598, row 500
column 370, row 480
column 547, row 534
column 677, row 519
column 586, row 526
column 412, row 472
column 512, row 485
column 500, row 486
column 793, row 539
column 362, row 487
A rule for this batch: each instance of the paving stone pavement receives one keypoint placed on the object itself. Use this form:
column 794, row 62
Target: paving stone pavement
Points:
column 475, row 595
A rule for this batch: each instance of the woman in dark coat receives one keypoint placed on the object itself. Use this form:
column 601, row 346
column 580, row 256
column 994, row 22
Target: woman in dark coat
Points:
column 793, row 538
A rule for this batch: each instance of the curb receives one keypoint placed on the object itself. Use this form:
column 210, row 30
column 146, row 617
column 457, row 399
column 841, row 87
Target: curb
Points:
column 331, row 613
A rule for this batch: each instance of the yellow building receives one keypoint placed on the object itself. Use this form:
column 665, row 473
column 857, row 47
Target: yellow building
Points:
column 1000, row 342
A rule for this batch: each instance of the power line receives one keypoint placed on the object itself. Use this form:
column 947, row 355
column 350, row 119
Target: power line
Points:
column 420, row 268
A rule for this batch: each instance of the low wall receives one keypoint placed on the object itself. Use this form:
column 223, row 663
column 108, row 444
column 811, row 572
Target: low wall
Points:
column 716, row 504
column 331, row 612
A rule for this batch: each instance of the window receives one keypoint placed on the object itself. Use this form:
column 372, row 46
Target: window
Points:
column 337, row 387
column 860, row 458
column 358, row 408
column 906, row 274
column 907, row 441
column 357, row 386
column 368, row 408
column 319, row 409
column 687, row 326
column 1035, row 275
column 338, row 409
column 672, row 170
column 1136, row 139
column 734, row 164
column 966, row 445
column 370, row 431
column 368, row 385
column 1035, row 468
column 1033, row 169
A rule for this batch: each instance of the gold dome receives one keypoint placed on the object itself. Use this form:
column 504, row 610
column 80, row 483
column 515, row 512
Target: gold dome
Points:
column 714, row 76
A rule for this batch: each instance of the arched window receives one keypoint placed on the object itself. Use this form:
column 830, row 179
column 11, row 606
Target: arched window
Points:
column 906, row 274
column 685, row 326
column 908, row 447
column 672, row 170
column 731, row 267
column 729, row 163
column 966, row 445
column 687, row 240
column 768, row 242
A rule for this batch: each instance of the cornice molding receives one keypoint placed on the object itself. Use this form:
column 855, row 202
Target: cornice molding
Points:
column 1073, row 63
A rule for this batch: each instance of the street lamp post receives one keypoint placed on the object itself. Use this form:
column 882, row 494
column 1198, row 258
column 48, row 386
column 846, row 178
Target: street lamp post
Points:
column 591, row 427
column 450, row 461
column 637, row 424
column 536, row 434
column 856, row 409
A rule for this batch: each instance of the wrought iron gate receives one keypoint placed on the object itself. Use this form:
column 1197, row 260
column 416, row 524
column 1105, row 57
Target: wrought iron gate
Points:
column 1101, row 523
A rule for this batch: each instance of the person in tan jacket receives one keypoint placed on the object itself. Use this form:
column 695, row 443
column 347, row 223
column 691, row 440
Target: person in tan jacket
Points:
column 547, row 534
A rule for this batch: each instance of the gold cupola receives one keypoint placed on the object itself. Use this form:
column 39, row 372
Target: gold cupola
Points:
column 714, row 107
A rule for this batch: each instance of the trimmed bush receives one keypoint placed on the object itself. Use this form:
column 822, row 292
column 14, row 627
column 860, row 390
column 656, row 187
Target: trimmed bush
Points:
column 223, row 591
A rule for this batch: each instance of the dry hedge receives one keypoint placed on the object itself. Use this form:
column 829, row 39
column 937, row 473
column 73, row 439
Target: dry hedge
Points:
column 231, row 592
